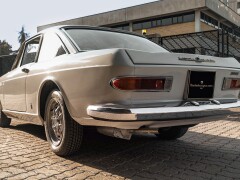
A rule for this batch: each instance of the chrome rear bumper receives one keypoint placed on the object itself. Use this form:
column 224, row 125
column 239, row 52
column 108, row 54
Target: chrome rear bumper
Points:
column 135, row 118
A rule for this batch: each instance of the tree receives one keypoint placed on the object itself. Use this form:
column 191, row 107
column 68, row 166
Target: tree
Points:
column 5, row 48
column 22, row 36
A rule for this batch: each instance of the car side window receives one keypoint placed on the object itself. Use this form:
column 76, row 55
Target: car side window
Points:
column 18, row 58
column 31, row 50
column 51, row 47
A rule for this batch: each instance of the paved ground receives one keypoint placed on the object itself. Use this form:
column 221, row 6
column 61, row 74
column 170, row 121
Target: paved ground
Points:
column 207, row 151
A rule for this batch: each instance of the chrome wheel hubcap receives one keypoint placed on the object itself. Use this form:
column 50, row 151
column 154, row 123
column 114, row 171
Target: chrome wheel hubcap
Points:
column 55, row 121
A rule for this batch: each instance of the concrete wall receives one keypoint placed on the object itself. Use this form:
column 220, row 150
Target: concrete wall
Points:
column 231, row 3
column 220, row 8
column 6, row 63
column 162, row 7
column 140, row 12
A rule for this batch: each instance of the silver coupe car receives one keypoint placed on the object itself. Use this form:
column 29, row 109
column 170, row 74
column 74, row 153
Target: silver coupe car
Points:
column 68, row 78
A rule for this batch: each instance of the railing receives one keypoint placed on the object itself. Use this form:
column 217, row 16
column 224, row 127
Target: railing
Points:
column 215, row 43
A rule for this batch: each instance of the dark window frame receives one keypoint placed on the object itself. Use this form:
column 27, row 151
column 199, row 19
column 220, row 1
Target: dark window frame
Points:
column 209, row 20
column 238, row 5
column 167, row 21
column 25, row 46
column 188, row 18
column 175, row 19
column 147, row 24
column 124, row 27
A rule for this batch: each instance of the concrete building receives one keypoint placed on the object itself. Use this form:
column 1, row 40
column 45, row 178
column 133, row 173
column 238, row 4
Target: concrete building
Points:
column 167, row 17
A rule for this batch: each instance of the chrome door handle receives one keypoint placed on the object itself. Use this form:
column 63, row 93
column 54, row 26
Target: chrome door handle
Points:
column 25, row 70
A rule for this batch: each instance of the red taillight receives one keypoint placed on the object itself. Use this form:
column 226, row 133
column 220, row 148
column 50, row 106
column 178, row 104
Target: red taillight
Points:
column 142, row 83
column 231, row 83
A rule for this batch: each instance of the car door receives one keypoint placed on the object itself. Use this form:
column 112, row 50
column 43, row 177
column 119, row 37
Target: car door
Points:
column 14, row 86
column 51, row 47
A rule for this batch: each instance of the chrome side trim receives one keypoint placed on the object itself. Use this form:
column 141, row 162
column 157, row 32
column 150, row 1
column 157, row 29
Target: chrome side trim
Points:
column 32, row 118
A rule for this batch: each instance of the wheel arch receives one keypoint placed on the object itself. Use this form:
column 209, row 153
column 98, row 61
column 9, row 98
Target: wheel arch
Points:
column 47, row 86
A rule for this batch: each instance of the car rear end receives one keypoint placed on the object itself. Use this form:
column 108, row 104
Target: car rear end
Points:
column 170, row 89
column 143, row 86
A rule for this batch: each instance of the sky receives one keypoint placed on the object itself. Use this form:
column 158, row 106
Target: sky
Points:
column 28, row 13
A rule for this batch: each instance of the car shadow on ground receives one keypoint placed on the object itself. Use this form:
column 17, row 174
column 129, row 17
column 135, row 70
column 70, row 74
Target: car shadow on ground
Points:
column 196, row 155
column 35, row 130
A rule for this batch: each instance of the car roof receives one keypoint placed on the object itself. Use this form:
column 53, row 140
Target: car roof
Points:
column 57, row 28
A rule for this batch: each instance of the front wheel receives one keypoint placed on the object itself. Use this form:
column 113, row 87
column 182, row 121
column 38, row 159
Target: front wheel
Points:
column 172, row 133
column 62, row 132
column 4, row 120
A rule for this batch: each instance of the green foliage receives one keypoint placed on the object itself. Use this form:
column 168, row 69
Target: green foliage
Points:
column 22, row 36
column 5, row 48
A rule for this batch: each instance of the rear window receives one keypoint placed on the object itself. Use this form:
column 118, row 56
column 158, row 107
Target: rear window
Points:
column 88, row 39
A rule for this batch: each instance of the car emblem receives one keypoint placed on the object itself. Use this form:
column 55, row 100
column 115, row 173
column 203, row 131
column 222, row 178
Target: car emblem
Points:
column 197, row 59
column 201, row 84
column 234, row 74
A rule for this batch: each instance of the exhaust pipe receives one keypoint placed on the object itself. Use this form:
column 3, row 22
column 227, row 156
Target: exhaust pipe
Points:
column 114, row 132
column 123, row 133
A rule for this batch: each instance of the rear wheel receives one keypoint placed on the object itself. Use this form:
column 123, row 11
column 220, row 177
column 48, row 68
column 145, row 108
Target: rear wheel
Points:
column 62, row 132
column 4, row 120
column 172, row 133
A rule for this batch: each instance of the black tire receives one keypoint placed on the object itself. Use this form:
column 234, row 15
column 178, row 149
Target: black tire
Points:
column 4, row 120
column 172, row 133
column 63, row 133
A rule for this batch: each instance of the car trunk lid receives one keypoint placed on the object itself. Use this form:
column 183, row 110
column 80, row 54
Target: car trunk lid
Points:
column 139, row 57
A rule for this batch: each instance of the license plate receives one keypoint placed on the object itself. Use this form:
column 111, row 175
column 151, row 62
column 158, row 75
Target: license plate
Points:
column 200, row 85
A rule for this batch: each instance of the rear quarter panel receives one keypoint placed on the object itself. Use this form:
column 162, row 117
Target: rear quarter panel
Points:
column 83, row 79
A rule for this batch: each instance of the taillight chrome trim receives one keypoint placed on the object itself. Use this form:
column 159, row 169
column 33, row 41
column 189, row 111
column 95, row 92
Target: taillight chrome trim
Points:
column 224, row 88
column 167, row 78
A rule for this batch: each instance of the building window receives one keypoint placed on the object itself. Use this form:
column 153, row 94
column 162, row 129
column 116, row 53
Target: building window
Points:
column 159, row 22
column 225, row 28
column 137, row 26
column 122, row 27
column 238, row 5
column 126, row 28
column 209, row 20
column 146, row 25
column 164, row 21
column 180, row 19
column 188, row 18
column 154, row 23
column 175, row 20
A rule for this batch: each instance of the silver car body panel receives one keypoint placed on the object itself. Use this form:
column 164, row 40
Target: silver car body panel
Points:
column 84, row 77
